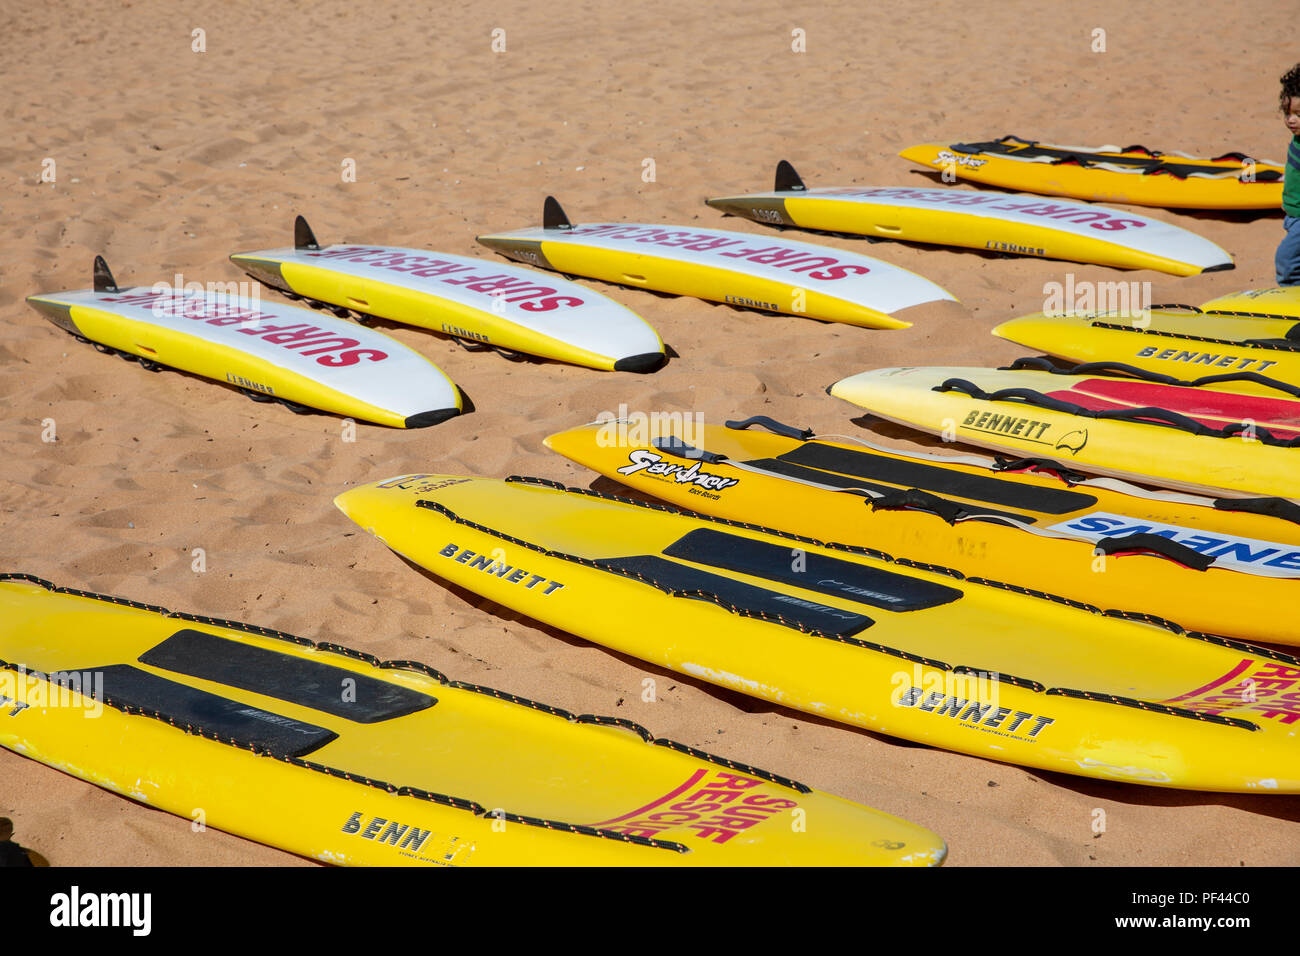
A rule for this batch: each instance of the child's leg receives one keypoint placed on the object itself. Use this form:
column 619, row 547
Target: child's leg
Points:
column 1287, row 260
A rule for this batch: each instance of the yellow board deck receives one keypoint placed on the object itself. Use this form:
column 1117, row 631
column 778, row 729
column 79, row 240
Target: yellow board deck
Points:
column 335, row 755
column 1223, row 571
column 1279, row 300
column 847, row 634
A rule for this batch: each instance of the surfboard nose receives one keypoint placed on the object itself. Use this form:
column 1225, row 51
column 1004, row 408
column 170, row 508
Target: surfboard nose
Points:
column 262, row 266
column 1024, row 330
column 731, row 205
column 57, row 312
column 526, row 250
column 769, row 210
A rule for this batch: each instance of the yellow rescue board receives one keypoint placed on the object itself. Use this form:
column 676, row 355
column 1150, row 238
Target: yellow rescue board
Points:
column 1224, row 571
column 1279, row 300
column 1135, row 175
column 1232, row 455
column 335, row 755
column 835, row 631
column 1184, row 344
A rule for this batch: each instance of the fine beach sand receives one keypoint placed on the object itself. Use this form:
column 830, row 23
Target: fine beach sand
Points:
column 167, row 160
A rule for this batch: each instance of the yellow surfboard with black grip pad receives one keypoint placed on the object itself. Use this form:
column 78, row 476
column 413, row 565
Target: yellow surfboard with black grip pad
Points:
column 1217, row 565
column 853, row 635
column 1133, row 174
column 335, row 755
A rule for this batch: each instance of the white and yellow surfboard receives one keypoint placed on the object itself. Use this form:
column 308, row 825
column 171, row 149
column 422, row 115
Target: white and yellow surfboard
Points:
column 270, row 352
column 475, row 301
column 985, row 220
column 753, row 272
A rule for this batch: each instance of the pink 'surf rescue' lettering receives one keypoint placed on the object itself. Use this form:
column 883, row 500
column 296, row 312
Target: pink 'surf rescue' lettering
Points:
column 820, row 266
column 490, row 285
column 326, row 347
column 1262, row 688
column 711, row 804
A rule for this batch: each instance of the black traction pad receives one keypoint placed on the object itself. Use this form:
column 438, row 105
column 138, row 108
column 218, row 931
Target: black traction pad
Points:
column 221, row 717
column 286, row 677
column 788, row 470
column 939, row 480
column 794, row 611
column 849, row 580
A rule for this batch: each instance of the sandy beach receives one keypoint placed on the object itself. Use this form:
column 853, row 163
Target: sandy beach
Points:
column 166, row 160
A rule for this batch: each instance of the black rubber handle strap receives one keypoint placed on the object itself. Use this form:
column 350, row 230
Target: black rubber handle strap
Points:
column 676, row 447
column 1155, row 544
column 1067, row 475
column 1142, row 416
column 1272, row 507
column 1026, row 396
column 772, row 425
column 1039, row 364
column 1160, row 416
column 972, row 149
column 1075, row 159
column 917, row 500
column 1255, row 377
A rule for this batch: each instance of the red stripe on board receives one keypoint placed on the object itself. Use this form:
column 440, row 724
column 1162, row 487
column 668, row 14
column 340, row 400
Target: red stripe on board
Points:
column 1219, row 682
column 1193, row 401
column 1204, row 407
column 690, row 782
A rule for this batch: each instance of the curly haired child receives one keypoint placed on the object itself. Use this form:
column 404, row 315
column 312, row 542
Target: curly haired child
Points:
column 1287, row 260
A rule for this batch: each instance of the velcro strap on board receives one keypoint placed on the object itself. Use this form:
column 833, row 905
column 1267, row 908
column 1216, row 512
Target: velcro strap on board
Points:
column 1145, row 541
column 772, row 425
column 917, row 500
column 1281, row 508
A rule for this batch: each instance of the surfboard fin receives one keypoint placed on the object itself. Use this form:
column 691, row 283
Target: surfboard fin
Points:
column 553, row 216
column 787, row 180
column 104, row 281
column 303, row 237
